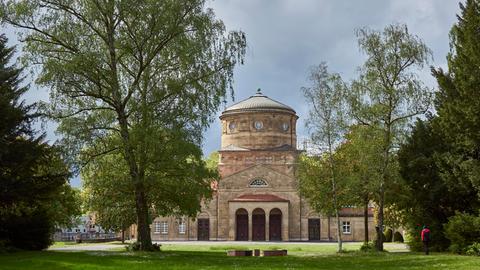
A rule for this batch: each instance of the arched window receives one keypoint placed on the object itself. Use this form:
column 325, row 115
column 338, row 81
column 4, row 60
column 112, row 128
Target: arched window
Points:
column 258, row 183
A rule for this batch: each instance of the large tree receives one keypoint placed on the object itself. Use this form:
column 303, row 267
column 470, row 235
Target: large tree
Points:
column 135, row 70
column 431, row 199
column 358, row 160
column 388, row 94
column 326, row 97
column 34, row 192
column 458, row 100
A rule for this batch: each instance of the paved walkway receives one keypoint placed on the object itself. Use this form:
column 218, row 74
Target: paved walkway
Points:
column 392, row 247
column 88, row 247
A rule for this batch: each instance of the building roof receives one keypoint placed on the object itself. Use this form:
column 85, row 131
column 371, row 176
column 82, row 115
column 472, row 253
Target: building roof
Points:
column 258, row 198
column 258, row 102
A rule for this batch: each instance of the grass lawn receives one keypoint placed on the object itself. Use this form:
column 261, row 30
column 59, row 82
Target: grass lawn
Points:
column 184, row 256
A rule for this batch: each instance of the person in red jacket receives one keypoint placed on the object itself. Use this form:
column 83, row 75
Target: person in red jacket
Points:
column 425, row 238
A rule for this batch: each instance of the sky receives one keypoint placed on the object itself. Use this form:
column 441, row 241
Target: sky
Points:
column 286, row 37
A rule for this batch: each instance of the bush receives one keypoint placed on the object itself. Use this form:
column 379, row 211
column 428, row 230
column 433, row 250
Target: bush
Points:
column 463, row 230
column 473, row 249
column 136, row 247
column 388, row 235
column 367, row 247
column 397, row 237
column 27, row 232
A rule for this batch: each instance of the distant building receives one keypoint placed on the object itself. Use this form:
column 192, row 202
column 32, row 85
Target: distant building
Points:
column 257, row 198
column 85, row 228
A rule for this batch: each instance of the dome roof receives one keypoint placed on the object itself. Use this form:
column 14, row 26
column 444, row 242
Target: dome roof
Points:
column 258, row 102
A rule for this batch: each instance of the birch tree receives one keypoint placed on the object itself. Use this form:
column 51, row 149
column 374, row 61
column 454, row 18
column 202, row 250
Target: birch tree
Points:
column 388, row 93
column 326, row 97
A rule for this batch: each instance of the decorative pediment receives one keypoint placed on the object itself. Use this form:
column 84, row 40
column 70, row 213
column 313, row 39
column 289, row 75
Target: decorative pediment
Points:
column 257, row 176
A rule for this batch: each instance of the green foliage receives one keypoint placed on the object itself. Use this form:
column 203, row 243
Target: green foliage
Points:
column 462, row 230
column 394, row 215
column 358, row 161
column 106, row 192
column 397, row 237
column 473, row 249
column 431, row 198
column 138, row 79
column 34, row 191
column 212, row 161
column 315, row 185
column 176, row 190
column 32, row 231
column 328, row 111
column 387, row 94
column 367, row 247
column 458, row 100
column 326, row 124
column 439, row 161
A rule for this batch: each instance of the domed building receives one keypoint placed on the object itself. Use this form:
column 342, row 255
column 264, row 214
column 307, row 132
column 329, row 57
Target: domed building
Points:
column 257, row 198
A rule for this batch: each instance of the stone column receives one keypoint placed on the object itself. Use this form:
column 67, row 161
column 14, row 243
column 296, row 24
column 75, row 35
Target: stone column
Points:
column 285, row 223
column 231, row 224
column 250, row 230
column 267, row 226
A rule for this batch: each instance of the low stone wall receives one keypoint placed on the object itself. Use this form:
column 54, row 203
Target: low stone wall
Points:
column 268, row 253
column 239, row 253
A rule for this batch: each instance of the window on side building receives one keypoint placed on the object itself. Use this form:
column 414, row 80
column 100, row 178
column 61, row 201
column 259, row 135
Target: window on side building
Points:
column 164, row 227
column 182, row 227
column 346, row 229
column 156, row 227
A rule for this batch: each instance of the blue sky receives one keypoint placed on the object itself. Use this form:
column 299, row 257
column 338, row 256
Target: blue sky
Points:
column 286, row 37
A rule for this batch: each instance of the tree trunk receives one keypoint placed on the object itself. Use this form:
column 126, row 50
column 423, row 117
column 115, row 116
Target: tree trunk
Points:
column 379, row 245
column 365, row 220
column 334, row 190
column 339, row 232
column 381, row 201
column 143, row 226
column 123, row 236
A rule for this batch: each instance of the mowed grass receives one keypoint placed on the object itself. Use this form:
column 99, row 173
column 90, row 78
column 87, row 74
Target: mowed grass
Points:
column 186, row 256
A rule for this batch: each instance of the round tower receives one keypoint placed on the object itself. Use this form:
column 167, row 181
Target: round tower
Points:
column 257, row 123
column 258, row 130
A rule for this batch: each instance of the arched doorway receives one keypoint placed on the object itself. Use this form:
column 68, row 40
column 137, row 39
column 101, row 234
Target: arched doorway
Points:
column 241, row 217
column 258, row 225
column 275, row 225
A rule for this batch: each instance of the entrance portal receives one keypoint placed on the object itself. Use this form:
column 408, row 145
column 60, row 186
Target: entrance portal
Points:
column 258, row 225
column 314, row 229
column 203, row 229
column 242, row 225
column 275, row 225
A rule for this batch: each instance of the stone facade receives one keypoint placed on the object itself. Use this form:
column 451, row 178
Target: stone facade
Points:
column 256, row 198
